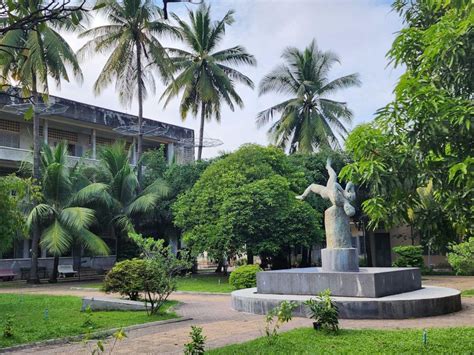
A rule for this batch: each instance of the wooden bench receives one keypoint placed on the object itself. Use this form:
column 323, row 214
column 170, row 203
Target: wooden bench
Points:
column 66, row 270
column 7, row 274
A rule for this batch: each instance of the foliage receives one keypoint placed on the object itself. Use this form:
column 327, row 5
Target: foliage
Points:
column 206, row 75
column 425, row 135
column 197, row 344
column 161, row 267
column 283, row 313
column 408, row 256
column 126, row 278
column 126, row 200
column 309, row 120
column 244, row 276
column 99, row 346
column 65, row 317
column 461, row 257
column 136, row 52
column 324, row 311
column 359, row 341
column 246, row 200
column 8, row 330
column 88, row 321
column 13, row 193
column 61, row 215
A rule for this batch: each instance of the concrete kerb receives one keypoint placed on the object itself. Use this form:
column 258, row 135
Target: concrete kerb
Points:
column 96, row 335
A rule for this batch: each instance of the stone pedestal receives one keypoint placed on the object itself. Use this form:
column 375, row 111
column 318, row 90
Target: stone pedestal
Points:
column 340, row 259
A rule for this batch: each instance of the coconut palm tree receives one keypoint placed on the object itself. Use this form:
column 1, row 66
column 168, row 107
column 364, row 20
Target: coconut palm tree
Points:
column 309, row 119
column 206, row 76
column 61, row 216
column 32, row 56
column 129, row 201
column 136, row 52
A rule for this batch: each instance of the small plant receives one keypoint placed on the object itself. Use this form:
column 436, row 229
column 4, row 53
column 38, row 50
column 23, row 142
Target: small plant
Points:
column 8, row 327
column 244, row 276
column 197, row 343
column 88, row 322
column 99, row 347
column 324, row 311
column 461, row 257
column 408, row 256
column 283, row 314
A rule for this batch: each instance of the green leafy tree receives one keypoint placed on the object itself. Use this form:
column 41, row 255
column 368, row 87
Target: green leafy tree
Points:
column 206, row 76
column 127, row 201
column 246, row 202
column 309, row 119
column 423, row 139
column 32, row 56
column 13, row 192
column 60, row 216
column 132, row 37
column 161, row 267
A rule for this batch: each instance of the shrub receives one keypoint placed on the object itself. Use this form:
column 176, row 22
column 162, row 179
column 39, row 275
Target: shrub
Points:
column 461, row 257
column 283, row 314
column 409, row 256
column 8, row 327
column 126, row 278
column 324, row 311
column 244, row 276
column 161, row 267
column 197, row 343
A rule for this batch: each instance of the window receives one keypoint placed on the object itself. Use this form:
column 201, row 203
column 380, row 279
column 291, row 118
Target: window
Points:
column 9, row 134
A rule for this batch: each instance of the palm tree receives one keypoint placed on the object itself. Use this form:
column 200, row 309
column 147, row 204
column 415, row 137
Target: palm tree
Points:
column 61, row 216
column 205, row 74
column 309, row 119
column 129, row 201
column 136, row 52
column 31, row 56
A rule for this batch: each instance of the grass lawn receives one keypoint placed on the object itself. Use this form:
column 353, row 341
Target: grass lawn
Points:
column 468, row 293
column 64, row 317
column 309, row 341
column 205, row 283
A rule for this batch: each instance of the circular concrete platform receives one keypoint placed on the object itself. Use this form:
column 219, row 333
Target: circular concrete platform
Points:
column 425, row 302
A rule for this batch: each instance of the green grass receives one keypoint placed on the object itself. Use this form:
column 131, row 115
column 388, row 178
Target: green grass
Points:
column 309, row 341
column 205, row 283
column 468, row 293
column 64, row 317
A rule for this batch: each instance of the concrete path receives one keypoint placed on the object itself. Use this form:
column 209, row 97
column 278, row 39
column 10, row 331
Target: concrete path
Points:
column 224, row 326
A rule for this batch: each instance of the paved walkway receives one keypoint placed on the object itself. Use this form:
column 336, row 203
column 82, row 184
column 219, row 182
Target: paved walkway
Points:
column 224, row 326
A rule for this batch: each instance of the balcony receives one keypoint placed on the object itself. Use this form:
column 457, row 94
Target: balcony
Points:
column 17, row 155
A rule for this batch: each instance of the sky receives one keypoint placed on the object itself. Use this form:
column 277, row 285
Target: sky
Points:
column 360, row 32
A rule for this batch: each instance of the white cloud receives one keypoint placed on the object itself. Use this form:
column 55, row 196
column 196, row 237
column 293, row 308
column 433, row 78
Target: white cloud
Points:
column 360, row 32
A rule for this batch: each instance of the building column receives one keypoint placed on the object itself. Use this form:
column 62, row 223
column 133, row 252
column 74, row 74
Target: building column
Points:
column 43, row 252
column 45, row 131
column 170, row 153
column 134, row 151
column 94, row 145
column 26, row 248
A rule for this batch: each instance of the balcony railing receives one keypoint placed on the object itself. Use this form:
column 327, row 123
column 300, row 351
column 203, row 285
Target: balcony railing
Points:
column 19, row 155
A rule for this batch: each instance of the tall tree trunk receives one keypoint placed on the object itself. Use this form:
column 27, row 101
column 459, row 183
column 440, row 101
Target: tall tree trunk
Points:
column 140, row 112
column 54, row 274
column 201, row 130
column 35, row 237
column 249, row 256
column 77, row 257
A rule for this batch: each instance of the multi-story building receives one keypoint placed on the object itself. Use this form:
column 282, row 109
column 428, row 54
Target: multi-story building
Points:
column 85, row 128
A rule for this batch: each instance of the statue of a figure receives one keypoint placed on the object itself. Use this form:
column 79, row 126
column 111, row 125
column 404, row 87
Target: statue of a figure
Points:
column 336, row 217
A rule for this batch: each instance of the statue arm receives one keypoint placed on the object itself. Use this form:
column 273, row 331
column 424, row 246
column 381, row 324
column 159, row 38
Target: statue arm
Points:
column 315, row 188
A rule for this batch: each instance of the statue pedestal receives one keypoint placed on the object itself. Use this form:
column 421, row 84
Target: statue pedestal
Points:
column 340, row 259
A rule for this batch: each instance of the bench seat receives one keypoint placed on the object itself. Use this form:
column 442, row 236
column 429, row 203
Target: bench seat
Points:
column 7, row 274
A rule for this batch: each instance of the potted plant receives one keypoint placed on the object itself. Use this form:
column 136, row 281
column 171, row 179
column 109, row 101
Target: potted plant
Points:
column 324, row 312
